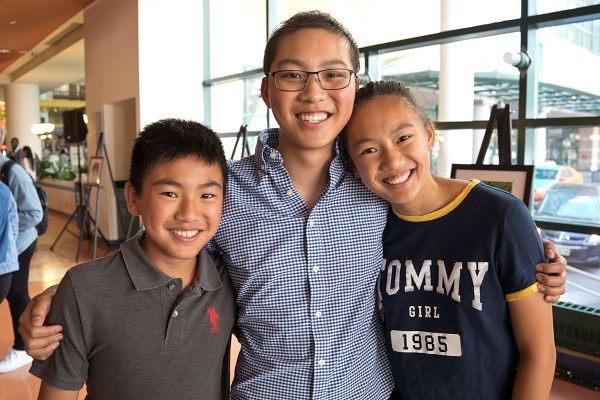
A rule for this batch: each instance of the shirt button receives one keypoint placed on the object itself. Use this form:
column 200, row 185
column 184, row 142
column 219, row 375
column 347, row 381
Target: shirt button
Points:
column 321, row 363
column 273, row 155
column 289, row 193
column 172, row 286
column 315, row 268
column 175, row 314
column 318, row 314
column 262, row 167
column 311, row 223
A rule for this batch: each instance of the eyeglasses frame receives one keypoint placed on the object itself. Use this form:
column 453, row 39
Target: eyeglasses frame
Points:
column 308, row 74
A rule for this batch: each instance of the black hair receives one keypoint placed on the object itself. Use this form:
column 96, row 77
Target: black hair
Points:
column 308, row 20
column 172, row 139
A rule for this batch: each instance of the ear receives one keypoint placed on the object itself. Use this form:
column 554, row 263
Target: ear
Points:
column 430, row 132
column 131, row 198
column 264, row 91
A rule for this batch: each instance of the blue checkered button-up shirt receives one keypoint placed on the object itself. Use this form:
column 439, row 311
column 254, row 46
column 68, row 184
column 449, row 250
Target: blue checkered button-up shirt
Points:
column 305, row 281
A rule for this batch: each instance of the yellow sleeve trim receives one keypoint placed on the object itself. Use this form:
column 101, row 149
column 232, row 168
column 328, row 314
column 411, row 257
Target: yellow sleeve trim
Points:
column 522, row 293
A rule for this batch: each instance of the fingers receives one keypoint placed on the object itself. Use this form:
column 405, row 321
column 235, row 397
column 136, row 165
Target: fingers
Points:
column 551, row 298
column 40, row 341
column 555, row 268
column 555, row 258
column 47, row 339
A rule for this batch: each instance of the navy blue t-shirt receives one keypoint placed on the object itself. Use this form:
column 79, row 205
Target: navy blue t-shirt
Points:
column 444, row 285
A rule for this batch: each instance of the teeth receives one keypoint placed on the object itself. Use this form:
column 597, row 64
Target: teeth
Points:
column 185, row 234
column 398, row 178
column 313, row 117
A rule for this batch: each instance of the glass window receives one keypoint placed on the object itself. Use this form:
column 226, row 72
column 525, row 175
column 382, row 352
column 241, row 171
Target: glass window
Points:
column 237, row 36
column 569, row 202
column 474, row 76
column 238, row 103
column 408, row 20
column 566, row 59
column 548, row 6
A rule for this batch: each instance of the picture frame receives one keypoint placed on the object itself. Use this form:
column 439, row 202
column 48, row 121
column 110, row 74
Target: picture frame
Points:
column 515, row 179
column 95, row 171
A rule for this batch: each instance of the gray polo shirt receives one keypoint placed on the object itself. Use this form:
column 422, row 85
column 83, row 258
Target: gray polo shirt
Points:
column 131, row 333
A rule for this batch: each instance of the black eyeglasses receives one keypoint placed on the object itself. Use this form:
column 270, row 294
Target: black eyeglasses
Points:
column 329, row 79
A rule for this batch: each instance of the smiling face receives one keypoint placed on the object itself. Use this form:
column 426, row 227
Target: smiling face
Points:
column 313, row 117
column 180, row 205
column 389, row 146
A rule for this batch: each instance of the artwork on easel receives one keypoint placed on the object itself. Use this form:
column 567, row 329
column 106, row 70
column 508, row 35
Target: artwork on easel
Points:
column 515, row 179
column 94, row 171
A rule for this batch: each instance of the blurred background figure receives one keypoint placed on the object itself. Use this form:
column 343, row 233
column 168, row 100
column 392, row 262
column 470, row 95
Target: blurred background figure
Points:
column 30, row 214
column 28, row 162
column 17, row 154
column 9, row 230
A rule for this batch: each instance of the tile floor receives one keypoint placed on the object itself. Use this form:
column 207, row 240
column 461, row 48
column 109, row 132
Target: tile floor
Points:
column 48, row 267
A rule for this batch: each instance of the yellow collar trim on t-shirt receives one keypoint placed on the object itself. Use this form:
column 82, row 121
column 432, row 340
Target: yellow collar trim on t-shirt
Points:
column 442, row 211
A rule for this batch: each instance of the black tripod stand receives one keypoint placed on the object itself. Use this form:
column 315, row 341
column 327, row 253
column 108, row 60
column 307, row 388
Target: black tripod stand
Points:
column 242, row 134
column 81, row 213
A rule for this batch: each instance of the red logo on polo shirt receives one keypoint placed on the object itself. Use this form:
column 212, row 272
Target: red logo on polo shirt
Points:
column 213, row 317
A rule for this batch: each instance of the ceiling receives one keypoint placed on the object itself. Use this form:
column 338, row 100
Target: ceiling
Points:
column 41, row 42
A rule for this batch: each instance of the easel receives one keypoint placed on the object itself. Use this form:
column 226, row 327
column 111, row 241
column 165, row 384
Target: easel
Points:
column 82, row 210
column 499, row 118
column 83, row 203
column 242, row 134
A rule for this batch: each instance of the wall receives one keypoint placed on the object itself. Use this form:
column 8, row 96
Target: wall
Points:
column 111, row 70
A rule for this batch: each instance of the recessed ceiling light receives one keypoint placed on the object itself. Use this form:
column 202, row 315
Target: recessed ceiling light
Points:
column 12, row 22
column 4, row 51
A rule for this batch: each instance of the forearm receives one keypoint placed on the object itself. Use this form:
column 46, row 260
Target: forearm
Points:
column 48, row 392
column 531, row 319
column 535, row 374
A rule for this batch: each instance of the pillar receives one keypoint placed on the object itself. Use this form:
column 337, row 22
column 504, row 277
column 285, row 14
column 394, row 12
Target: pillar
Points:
column 22, row 111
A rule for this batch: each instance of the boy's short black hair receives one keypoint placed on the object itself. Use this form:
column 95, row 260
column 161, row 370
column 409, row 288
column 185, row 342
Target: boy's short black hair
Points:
column 309, row 20
column 172, row 139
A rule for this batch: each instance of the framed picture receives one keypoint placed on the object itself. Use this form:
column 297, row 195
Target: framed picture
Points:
column 515, row 179
column 94, row 170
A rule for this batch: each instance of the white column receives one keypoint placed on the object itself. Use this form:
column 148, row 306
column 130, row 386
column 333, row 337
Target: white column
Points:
column 23, row 110
column 456, row 87
column 170, row 60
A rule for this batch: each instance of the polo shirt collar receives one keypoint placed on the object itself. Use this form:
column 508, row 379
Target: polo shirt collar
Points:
column 145, row 276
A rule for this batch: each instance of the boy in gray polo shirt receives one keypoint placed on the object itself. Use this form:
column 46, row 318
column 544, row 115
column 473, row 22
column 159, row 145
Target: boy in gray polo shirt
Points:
column 152, row 320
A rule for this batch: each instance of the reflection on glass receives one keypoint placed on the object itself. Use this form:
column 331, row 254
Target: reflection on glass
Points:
column 566, row 59
column 573, row 203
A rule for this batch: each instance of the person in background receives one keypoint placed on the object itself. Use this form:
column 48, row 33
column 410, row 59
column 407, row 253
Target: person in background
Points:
column 152, row 320
column 16, row 153
column 30, row 214
column 28, row 162
column 300, row 236
column 456, row 286
column 9, row 231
